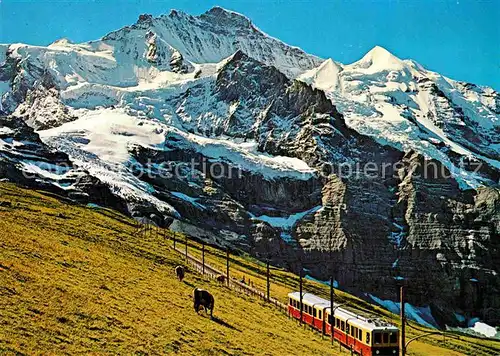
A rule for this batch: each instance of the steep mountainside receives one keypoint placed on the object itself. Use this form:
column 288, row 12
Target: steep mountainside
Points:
column 206, row 123
column 400, row 103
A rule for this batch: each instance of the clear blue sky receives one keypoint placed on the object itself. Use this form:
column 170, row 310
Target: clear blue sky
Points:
column 460, row 38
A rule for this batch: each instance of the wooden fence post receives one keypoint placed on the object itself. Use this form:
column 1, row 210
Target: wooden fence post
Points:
column 175, row 239
column 186, row 255
column 227, row 265
column 402, row 346
column 332, row 313
column 203, row 258
column 300, row 293
column 267, row 281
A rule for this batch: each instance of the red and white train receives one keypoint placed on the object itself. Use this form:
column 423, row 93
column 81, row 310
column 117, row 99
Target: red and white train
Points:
column 367, row 337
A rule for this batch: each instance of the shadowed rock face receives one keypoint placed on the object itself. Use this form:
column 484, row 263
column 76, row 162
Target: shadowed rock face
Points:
column 456, row 234
column 444, row 242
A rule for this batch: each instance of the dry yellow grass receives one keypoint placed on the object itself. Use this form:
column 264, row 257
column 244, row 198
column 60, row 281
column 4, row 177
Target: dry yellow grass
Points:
column 77, row 280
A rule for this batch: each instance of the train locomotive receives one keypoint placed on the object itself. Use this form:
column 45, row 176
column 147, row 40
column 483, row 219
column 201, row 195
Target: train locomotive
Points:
column 364, row 336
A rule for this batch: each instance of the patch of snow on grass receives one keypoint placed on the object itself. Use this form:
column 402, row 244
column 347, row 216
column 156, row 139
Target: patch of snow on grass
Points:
column 485, row 329
column 421, row 315
column 476, row 328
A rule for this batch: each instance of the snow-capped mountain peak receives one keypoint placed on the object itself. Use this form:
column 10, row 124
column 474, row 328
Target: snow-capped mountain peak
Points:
column 378, row 59
column 325, row 77
column 226, row 17
column 209, row 38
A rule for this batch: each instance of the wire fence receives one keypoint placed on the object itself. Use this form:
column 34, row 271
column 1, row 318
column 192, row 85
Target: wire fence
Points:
column 186, row 246
column 213, row 273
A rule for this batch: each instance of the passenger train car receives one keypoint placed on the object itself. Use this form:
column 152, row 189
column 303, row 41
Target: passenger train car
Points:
column 367, row 337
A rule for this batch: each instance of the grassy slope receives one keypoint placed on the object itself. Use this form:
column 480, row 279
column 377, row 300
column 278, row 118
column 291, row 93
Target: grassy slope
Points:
column 82, row 283
column 74, row 279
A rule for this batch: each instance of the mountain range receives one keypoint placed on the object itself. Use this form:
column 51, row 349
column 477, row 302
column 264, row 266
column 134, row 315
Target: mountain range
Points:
column 379, row 172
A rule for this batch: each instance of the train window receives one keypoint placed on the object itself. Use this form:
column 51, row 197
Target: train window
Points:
column 330, row 319
column 360, row 334
column 320, row 314
column 393, row 338
column 314, row 312
column 377, row 338
column 347, row 328
column 367, row 338
column 342, row 325
column 338, row 323
column 385, row 338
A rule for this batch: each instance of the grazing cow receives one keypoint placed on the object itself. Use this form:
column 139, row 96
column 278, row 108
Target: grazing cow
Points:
column 204, row 299
column 179, row 272
column 221, row 278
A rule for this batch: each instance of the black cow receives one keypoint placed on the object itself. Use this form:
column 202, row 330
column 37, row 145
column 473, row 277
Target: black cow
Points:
column 203, row 298
column 179, row 272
